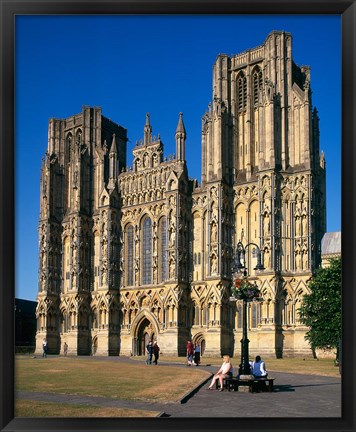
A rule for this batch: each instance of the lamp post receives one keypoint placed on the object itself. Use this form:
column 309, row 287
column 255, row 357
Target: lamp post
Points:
column 246, row 292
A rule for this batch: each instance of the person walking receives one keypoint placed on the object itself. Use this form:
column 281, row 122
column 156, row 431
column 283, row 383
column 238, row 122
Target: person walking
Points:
column 197, row 354
column 149, row 349
column 65, row 348
column 190, row 351
column 156, row 351
column 45, row 348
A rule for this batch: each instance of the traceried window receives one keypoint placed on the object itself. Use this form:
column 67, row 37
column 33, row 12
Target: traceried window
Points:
column 96, row 260
column 164, row 258
column 241, row 92
column 69, row 145
column 78, row 137
column 257, row 84
column 147, row 252
column 66, row 265
column 255, row 314
column 130, row 255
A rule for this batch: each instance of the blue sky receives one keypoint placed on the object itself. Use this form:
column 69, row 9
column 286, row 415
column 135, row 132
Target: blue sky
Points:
column 131, row 65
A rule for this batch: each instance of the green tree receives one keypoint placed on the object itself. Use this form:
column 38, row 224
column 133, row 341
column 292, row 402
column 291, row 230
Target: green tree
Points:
column 321, row 309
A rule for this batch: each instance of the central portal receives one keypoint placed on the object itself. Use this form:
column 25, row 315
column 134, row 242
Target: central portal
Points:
column 145, row 333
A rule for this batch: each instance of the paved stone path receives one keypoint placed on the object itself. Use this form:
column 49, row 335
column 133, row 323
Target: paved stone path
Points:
column 294, row 395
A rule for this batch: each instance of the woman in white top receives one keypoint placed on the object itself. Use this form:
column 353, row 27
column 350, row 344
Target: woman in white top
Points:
column 258, row 368
column 226, row 368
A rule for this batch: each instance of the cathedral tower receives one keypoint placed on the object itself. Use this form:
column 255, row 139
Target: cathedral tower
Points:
column 260, row 136
column 79, row 232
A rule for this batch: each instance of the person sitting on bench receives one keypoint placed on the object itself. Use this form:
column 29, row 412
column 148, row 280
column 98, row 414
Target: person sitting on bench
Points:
column 258, row 368
column 225, row 371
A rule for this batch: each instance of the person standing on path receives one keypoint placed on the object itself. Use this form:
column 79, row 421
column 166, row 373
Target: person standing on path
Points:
column 156, row 351
column 149, row 349
column 197, row 354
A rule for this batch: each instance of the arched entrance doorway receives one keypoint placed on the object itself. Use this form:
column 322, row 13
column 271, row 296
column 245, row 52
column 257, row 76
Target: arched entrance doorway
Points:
column 145, row 333
column 94, row 345
column 199, row 339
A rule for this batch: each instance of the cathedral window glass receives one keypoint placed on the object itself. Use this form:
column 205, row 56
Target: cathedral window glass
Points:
column 96, row 259
column 257, row 84
column 242, row 92
column 66, row 260
column 69, row 145
column 255, row 315
column 147, row 252
column 130, row 255
column 164, row 260
column 78, row 137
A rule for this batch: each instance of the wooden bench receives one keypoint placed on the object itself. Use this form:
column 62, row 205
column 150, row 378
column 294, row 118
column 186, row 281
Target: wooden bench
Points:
column 256, row 384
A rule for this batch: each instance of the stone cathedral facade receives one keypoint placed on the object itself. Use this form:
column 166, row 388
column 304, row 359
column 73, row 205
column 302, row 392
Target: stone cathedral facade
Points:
column 128, row 254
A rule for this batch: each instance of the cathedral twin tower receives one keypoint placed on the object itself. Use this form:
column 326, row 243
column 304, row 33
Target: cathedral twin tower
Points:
column 130, row 254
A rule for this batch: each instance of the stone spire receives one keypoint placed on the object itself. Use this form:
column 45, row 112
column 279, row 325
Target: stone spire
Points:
column 181, row 136
column 113, row 163
column 147, row 131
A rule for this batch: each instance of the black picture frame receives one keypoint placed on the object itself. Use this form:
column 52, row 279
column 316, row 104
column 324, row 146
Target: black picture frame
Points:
column 9, row 9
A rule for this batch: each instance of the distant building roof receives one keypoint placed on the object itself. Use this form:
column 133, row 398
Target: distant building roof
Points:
column 331, row 243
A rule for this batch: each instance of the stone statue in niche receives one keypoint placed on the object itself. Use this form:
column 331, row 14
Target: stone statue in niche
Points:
column 297, row 260
column 297, row 225
column 213, row 264
column 213, row 232
column 305, row 259
column 266, row 225
column 305, row 225
column 145, row 161
column 267, row 258
column 172, row 235
column 171, row 269
column 104, row 248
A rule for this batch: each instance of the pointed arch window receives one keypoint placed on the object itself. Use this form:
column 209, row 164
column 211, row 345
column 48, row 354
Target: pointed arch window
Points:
column 78, row 137
column 255, row 314
column 241, row 92
column 164, row 258
column 147, row 252
column 130, row 255
column 257, row 84
column 69, row 140
column 96, row 260
column 66, row 265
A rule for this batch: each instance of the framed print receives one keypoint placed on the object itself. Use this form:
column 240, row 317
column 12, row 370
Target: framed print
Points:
column 118, row 237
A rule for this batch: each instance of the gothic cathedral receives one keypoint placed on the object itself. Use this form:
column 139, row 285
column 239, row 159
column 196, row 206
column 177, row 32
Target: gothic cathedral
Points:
column 130, row 254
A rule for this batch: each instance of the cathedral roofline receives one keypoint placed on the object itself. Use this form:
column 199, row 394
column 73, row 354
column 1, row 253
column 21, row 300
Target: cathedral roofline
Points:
column 258, row 47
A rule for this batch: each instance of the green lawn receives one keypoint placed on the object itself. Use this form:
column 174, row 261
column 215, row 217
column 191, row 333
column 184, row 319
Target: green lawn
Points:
column 106, row 378
column 30, row 408
column 308, row 366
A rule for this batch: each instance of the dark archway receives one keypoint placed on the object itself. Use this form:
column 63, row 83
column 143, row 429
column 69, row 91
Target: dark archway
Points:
column 94, row 345
column 144, row 335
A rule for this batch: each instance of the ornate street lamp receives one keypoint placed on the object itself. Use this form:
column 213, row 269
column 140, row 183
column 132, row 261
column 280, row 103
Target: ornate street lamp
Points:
column 246, row 291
